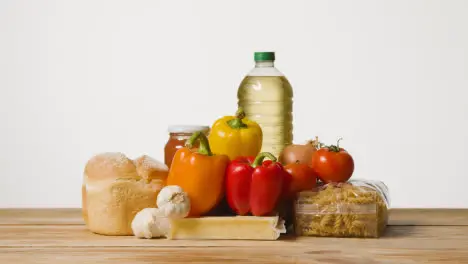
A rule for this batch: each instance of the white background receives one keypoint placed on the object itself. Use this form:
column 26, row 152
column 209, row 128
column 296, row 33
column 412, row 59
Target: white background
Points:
column 82, row 77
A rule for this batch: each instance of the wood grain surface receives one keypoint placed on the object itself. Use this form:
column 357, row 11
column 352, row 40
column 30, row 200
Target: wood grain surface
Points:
column 59, row 236
column 72, row 216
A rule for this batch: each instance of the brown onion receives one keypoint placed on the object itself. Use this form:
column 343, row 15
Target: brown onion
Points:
column 301, row 153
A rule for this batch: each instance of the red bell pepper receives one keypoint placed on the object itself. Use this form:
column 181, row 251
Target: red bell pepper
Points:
column 253, row 185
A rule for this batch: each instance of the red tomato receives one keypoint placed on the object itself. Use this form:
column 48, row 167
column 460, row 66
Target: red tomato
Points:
column 333, row 164
column 301, row 177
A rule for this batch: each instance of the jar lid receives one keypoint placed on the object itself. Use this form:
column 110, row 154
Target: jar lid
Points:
column 187, row 128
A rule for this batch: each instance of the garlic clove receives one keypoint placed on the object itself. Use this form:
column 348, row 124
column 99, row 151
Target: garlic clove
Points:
column 173, row 201
column 150, row 223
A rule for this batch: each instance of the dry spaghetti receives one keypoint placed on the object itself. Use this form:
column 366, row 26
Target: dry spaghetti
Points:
column 353, row 209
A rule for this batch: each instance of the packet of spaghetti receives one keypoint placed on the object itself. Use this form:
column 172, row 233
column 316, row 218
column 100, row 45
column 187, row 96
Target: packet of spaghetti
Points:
column 357, row 208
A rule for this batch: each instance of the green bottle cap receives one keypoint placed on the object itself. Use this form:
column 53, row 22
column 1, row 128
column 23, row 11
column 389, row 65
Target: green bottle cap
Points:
column 264, row 56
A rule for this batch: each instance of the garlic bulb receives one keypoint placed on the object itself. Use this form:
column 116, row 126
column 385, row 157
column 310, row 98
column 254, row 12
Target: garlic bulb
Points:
column 149, row 223
column 173, row 201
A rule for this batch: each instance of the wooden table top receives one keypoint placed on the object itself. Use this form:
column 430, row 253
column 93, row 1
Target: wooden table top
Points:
column 60, row 236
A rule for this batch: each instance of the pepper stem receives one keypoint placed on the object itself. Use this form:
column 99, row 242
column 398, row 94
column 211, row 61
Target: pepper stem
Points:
column 204, row 147
column 261, row 156
column 237, row 123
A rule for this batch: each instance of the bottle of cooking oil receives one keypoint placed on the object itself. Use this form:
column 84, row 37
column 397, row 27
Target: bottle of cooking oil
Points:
column 267, row 97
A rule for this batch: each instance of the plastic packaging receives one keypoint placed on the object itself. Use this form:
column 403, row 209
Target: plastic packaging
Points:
column 357, row 208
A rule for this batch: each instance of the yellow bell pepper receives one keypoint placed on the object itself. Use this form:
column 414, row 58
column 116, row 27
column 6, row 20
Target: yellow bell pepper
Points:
column 236, row 136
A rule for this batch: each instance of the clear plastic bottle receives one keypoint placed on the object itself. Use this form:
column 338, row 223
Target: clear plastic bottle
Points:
column 267, row 98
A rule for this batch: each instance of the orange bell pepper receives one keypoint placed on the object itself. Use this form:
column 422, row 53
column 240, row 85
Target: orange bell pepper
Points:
column 200, row 174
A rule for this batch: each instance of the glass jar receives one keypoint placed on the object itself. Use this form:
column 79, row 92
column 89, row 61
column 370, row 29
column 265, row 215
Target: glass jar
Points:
column 178, row 135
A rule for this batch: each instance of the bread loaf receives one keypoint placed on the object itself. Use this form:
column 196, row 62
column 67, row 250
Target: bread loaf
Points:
column 115, row 188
